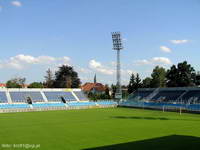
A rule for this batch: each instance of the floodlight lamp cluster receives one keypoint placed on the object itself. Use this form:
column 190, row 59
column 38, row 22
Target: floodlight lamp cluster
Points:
column 117, row 41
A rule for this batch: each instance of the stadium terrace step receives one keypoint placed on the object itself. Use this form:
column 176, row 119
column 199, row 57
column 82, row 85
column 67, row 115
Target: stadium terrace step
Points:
column 42, row 105
column 106, row 103
column 76, row 104
column 14, row 106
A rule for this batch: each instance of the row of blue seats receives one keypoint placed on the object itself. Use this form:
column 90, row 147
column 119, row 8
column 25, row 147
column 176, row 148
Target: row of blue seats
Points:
column 39, row 105
column 45, row 105
column 36, row 96
column 13, row 106
column 42, row 105
column 150, row 104
column 193, row 107
column 82, row 104
column 107, row 103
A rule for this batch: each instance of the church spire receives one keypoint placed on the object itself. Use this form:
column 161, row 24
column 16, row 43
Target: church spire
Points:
column 95, row 78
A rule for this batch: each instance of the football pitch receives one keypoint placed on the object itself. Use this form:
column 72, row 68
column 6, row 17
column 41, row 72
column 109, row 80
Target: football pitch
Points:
column 90, row 129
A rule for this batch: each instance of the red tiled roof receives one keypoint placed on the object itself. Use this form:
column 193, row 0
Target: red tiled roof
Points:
column 2, row 85
column 89, row 86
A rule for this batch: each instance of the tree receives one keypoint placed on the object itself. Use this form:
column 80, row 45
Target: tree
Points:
column 12, row 84
column 158, row 77
column 36, row 85
column 137, row 82
column 146, row 83
column 131, row 84
column 172, row 75
column 66, row 77
column 114, row 89
column 134, row 83
column 107, row 92
column 125, row 91
column 16, row 83
column 181, row 76
column 21, row 81
column 197, row 82
column 49, row 79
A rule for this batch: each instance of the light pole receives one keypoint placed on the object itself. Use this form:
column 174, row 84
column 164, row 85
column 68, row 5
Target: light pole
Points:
column 117, row 45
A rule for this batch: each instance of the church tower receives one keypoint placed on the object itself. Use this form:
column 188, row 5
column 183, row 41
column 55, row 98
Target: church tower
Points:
column 95, row 79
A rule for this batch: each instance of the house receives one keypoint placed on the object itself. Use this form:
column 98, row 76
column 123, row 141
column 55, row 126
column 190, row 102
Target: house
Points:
column 2, row 85
column 95, row 88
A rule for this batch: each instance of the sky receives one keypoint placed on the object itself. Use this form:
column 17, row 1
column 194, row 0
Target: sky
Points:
column 39, row 34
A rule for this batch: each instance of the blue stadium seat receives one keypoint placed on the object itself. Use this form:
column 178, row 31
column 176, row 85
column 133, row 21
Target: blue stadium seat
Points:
column 192, row 96
column 168, row 95
column 106, row 103
column 22, row 96
column 14, row 106
column 3, row 97
column 46, row 105
column 81, row 96
column 140, row 94
column 74, row 104
column 56, row 96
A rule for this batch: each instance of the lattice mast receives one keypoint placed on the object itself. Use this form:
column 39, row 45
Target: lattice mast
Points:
column 117, row 45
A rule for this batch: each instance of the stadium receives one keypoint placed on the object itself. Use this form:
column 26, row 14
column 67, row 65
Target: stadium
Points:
column 66, row 119
column 99, row 75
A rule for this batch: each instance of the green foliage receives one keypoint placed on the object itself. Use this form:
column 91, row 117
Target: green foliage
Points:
column 158, row 77
column 114, row 89
column 12, row 84
column 134, row 83
column 182, row 75
column 146, row 83
column 137, row 82
column 96, row 97
column 66, row 77
column 197, row 82
column 102, row 96
column 36, row 85
column 16, row 83
column 131, row 84
column 49, row 79
column 107, row 92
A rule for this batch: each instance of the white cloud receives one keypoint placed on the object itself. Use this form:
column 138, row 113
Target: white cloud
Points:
column 143, row 62
column 21, row 61
column 16, row 3
column 154, row 61
column 165, row 49
column 94, row 64
column 97, row 66
column 83, row 70
column 161, row 60
column 179, row 41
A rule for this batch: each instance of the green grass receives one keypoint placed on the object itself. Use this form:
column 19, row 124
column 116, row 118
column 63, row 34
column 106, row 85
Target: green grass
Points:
column 112, row 128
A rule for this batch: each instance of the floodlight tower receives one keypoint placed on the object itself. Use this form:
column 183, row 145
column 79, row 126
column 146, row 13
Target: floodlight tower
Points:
column 117, row 45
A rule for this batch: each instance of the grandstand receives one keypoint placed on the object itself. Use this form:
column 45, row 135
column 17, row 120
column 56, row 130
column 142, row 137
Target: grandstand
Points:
column 186, row 98
column 19, row 100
